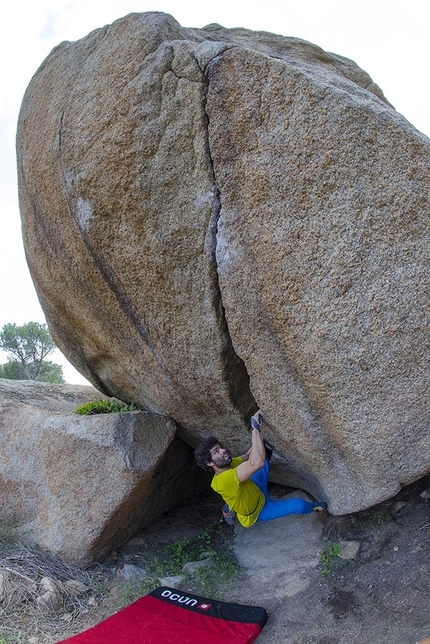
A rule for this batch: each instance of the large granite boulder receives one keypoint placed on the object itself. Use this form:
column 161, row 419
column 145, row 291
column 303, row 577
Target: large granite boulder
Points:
column 217, row 220
column 81, row 485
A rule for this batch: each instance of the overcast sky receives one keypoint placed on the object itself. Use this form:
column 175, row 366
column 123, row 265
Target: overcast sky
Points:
column 387, row 38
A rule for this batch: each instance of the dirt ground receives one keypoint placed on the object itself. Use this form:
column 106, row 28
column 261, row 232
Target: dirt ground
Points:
column 382, row 596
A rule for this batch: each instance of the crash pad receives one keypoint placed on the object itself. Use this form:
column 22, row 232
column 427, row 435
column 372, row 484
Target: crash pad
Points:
column 170, row 616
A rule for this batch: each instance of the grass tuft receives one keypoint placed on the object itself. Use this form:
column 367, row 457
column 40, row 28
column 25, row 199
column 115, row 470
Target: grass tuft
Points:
column 327, row 558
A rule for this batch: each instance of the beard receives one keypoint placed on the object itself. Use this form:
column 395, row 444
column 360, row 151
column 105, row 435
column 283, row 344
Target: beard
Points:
column 223, row 461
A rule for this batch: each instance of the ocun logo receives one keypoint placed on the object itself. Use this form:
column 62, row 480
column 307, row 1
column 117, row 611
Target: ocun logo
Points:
column 204, row 606
column 181, row 599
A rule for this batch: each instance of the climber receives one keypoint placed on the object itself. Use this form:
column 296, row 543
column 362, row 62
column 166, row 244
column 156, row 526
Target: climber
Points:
column 242, row 481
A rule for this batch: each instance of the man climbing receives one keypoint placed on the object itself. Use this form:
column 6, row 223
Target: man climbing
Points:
column 242, row 481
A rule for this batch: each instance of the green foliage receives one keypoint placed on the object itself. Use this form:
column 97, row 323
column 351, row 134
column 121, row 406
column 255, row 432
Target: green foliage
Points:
column 12, row 370
column 49, row 372
column 28, row 345
column 104, row 407
column 170, row 559
column 205, row 541
column 383, row 518
column 327, row 558
column 212, row 579
column 176, row 555
column 164, row 561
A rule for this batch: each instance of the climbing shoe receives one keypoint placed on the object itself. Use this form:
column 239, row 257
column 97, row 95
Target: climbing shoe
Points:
column 227, row 514
column 318, row 506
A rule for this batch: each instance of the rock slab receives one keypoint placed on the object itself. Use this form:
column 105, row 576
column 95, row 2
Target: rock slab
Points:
column 81, row 485
column 294, row 542
column 220, row 219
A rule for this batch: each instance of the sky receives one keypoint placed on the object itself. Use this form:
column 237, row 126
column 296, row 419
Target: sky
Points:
column 387, row 38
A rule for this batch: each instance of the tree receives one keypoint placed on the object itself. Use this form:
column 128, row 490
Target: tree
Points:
column 49, row 372
column 28, row 346
column 12, row 370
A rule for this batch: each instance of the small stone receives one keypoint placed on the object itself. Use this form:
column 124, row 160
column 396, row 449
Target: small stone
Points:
column 348, row 549
column 67, row 617
column 399, row 505
column 425, row 494
column 135, row 542
column 51, row 599
column 92, row 602
column 173, row 582
column 396, row 548
column 130, row 571
column 33, row 640
column 75, row 587
column 191, row 566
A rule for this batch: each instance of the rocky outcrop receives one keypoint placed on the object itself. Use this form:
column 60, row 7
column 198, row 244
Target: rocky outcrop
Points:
column 325, row 220
column 210, row 213
column 81, row 485
column 128, row 213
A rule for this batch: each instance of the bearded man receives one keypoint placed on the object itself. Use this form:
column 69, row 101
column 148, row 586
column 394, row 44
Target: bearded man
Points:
column 242, row 481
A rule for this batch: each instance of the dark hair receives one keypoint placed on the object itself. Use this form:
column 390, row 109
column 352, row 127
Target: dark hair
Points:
column 203, row 454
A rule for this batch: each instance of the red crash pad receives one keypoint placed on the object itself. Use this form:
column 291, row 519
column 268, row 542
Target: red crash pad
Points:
column 167, row 616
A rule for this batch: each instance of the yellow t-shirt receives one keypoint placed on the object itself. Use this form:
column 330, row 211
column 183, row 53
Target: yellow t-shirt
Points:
column 243, row 498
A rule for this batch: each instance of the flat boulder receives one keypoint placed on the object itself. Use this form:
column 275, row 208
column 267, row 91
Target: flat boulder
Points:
column 279, row 558
column 218, row 220
column 79, row 486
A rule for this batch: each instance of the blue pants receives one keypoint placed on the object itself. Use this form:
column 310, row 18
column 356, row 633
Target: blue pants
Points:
column 277, row 509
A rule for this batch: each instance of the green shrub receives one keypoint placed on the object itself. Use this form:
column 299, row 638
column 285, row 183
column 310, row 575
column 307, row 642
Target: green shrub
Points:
column 169, row 560
column 213, row 579
column 327, row 558
column 104, row 407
